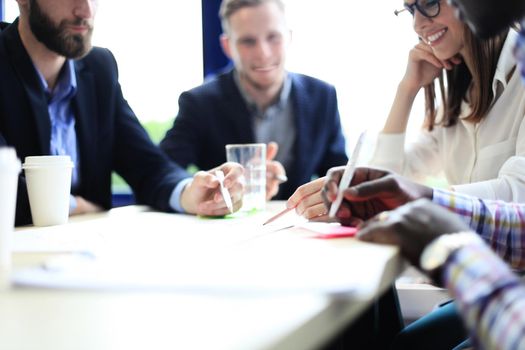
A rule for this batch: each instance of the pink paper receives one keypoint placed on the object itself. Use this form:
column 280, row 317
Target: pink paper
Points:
column 329, row 230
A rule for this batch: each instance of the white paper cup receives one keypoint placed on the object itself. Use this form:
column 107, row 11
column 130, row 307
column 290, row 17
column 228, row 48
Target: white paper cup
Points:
column 9, row 170
column 252, row 156
column 48, row 181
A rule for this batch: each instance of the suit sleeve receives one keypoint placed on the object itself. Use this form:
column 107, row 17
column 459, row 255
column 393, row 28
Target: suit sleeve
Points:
column 335, row 152
column 181, row 142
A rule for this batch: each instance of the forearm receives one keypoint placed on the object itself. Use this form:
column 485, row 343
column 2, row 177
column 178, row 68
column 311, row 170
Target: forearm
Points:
column 397, row 120
column 391, row 152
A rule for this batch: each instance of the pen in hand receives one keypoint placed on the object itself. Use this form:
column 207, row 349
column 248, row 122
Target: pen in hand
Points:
column 347, row 176
column 224, row 191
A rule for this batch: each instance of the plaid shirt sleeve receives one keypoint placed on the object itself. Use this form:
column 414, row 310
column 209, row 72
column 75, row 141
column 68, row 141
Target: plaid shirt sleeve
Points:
column 489, row 296
column 500, row 224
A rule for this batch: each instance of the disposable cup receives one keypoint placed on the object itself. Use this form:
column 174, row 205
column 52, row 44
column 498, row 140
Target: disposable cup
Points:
column 9, row 170
column 252, row 157
column 48, row 181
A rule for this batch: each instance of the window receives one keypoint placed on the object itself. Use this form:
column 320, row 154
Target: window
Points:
column 359, row 47
column 11, row 10
column 158, row 46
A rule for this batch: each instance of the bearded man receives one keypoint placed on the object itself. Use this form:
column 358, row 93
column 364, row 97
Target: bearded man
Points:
column 61, row 96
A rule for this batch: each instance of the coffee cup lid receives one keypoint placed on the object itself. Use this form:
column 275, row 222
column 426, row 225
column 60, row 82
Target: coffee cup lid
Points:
column 47, row 161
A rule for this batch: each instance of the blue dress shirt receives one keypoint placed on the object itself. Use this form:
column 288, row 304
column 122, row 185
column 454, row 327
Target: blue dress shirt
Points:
column 63, row 135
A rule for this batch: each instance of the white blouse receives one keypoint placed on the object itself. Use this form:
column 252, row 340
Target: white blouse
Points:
column 485, row 159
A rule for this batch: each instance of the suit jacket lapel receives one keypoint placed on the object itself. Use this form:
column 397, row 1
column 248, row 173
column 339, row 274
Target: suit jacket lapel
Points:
column 301, row 115
column 32, row 85
column 84, row 104
column 237, row 112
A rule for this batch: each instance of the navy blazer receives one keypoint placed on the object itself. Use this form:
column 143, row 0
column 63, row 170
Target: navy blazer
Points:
column 215, row 114
column 109, row 136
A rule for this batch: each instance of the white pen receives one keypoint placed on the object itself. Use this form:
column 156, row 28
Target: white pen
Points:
column 224, row 191
column 347, row 176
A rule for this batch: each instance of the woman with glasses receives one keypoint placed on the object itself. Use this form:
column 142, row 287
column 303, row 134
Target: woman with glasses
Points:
column 476, row 135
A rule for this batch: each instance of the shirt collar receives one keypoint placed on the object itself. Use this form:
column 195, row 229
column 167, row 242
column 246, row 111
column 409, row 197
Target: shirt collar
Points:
column 283, row 95
column 506, row 62
column 66, row 86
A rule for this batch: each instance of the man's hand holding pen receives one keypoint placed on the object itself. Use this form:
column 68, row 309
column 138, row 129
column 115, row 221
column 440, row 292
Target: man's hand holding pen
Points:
column 275, row 173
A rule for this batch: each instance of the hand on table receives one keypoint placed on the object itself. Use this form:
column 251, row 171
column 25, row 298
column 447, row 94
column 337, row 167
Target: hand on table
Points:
column 202, row 196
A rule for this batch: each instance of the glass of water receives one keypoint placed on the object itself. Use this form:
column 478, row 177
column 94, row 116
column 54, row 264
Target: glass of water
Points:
column 252, row 157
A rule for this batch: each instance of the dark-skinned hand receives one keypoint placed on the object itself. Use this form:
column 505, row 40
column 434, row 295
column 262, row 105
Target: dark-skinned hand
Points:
column 371, row 192
column 411, row 227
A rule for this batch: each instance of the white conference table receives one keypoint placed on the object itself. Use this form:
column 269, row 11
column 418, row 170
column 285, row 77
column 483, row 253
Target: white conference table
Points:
column 156, row 318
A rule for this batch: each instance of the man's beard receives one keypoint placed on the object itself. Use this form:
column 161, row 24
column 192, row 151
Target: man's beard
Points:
column 56, row 38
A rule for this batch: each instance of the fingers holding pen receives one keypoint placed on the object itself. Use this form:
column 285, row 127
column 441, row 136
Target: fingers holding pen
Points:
column 307, row 200
column 331, row 185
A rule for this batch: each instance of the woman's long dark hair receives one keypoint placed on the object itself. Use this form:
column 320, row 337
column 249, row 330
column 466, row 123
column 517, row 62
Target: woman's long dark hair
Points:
column 485, row 55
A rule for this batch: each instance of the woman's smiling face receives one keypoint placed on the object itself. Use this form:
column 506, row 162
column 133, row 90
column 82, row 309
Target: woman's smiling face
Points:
column 444, row 33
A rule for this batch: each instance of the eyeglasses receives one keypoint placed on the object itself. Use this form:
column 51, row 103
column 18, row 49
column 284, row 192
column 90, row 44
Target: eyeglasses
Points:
column 428, row 8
